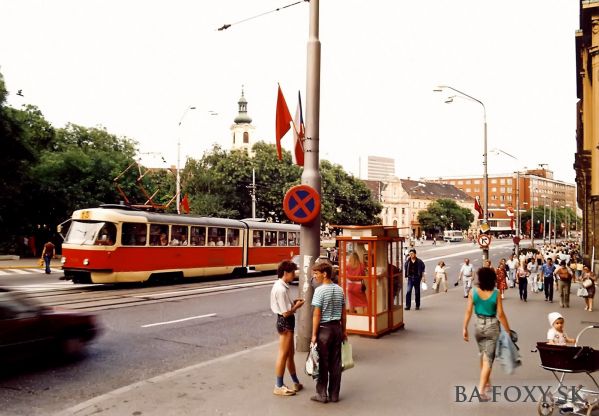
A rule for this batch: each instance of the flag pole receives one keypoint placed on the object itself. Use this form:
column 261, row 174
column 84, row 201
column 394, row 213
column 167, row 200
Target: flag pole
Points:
column 310, row 233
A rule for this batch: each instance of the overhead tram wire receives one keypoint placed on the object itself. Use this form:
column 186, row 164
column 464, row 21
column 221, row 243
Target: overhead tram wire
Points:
column 228, row 25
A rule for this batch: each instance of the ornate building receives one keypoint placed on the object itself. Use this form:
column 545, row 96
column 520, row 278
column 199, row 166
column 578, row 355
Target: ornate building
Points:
column 242, row 129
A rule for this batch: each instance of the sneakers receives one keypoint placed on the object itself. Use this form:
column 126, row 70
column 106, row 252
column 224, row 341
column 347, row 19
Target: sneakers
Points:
column 297, row 387
column 283, row 391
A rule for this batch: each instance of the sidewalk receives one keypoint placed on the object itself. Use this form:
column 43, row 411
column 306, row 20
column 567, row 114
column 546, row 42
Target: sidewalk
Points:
column 411, row 372
column 27, row 263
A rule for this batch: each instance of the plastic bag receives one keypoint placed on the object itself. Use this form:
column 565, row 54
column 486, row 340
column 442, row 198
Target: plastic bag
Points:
column 435, row 285
column 582, row 292
column 347, row 359
column 423, row 286
column 311, row 367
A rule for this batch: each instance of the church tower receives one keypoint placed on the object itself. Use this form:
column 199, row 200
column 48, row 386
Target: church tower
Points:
column 242, row 129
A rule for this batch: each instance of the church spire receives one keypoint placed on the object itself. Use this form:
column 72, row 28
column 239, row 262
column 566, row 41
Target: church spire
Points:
column 242, row 117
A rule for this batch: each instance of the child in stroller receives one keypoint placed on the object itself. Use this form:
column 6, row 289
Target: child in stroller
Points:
column 556, row 334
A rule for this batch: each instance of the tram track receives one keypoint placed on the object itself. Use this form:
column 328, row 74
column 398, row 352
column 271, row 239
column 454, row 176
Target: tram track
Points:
column 98, row 298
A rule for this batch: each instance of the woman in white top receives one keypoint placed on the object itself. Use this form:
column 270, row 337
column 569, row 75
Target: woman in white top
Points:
column 440, row 276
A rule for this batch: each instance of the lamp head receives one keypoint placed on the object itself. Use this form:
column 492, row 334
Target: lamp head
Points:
column 449, row 100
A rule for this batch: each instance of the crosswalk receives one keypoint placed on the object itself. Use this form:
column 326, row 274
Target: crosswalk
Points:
column 20, row 271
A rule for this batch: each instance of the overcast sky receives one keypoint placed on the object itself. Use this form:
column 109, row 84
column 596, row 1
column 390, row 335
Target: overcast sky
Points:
column 134, row 66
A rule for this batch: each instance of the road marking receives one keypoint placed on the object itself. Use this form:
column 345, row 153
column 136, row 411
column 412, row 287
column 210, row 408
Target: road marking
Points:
column 204, row 290
column 179, row 320
column 461, row 253
column 19, row 271
column 2, row 273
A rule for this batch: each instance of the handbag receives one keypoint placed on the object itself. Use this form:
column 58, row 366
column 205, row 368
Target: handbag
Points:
column 582, row 292
column 347, row 359
column 311, row 367
column 587, row 283
column 363, row 287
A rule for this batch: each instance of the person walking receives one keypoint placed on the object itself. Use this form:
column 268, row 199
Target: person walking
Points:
column 548, row 269
column 522, row 276
column 512, row 266
column 284, row 308
column 501, row 274
column 588, row 299
column 488, row 307
column 328, row 332
column 48, row 255
column 534, row 270
column 564, row 281
column 414, row 269
column 465, row 275
column 440, row 277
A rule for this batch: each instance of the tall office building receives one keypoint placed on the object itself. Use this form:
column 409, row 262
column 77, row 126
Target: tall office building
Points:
column 380, row 168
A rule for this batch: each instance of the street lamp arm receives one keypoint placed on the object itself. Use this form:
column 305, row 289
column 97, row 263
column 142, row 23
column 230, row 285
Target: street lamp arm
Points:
column 463, row 94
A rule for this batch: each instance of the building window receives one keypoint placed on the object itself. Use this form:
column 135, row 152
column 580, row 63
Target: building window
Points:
column 502, row 189
column 460, row 182
column 477, row 182
column 468, row 190
column 493, row 189
column 501, row 181
column 509, row 190
column 403, row 211
column 233, row 138
column 246, row 137
column 395, row 210
column 509, row 181
column 493, row 180
column 468, row 182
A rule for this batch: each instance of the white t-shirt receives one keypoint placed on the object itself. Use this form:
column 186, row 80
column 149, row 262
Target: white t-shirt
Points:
column 440, row 272
column 466, row 270
column 512, row 264
column 557, row 338
column 280, row 301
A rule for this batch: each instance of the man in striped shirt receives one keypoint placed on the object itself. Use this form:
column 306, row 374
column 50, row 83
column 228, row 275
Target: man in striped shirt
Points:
column 328, row 332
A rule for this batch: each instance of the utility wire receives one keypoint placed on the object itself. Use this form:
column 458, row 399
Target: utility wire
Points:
column 228, row 25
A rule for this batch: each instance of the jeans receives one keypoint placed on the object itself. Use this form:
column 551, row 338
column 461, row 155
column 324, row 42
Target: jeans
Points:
column 523, row 287
column 413, row 282
column 548, row 286
column 47, row 263
column 330, row 337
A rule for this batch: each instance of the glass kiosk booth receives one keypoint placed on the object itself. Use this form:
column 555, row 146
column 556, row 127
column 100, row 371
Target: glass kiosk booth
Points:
column 371, row 275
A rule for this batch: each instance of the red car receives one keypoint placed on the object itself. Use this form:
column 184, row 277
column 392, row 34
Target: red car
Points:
column 29, row 329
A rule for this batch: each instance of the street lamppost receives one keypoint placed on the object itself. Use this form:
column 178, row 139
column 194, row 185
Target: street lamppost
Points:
column 555, row 222
column 544, row 217
column 462, row 94
column 178, row 191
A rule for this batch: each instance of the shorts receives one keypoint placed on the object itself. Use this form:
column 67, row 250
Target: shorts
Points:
column 285, row 324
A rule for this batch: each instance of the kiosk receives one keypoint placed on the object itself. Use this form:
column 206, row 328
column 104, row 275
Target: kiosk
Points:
column 370, row 273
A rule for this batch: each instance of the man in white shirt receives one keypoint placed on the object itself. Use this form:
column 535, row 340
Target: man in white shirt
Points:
column 513, row 264
column 282, row 305
column 466, row 275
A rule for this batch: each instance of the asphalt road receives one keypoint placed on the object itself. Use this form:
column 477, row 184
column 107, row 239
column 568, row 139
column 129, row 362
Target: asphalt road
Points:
column 166, row 328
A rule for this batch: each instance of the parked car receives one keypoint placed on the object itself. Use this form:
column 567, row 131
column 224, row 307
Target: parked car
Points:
column 29, row 329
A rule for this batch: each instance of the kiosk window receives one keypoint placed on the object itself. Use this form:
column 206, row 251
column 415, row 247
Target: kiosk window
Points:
column 198, row 236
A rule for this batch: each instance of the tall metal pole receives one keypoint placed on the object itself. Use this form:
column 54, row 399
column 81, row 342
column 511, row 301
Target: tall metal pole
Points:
column 544, row 218
column 253, row 193
column 555, row 224
column 550, row 213
column 310, row 233
column 178, row 184
column 518, row 225
column 532, row 214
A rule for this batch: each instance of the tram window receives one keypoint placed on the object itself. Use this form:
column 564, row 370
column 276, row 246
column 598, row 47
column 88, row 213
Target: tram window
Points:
column 293, row 239
column 257, row 237
column 232, row 237
column 216, row 236
column 282, row 238
column 107, row 235
column 178, row 235
column 158, row 235
column 134, row 234
column 271, row 238
column 198, row 236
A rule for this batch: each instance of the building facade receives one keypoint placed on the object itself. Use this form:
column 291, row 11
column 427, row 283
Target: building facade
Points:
column 512, row 194
column 380, row 168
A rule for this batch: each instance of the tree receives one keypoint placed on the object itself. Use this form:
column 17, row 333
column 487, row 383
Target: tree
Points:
column 445, row 214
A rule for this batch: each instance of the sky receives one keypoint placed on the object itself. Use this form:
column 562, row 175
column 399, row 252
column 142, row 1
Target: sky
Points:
column 135, row 66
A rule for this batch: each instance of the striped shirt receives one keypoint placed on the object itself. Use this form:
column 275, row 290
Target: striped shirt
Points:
column 329, row 298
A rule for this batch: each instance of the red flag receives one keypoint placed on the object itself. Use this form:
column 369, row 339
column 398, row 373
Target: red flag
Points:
column 282, row 122
column 299, row 134
column 479, row 209
column 185, row 204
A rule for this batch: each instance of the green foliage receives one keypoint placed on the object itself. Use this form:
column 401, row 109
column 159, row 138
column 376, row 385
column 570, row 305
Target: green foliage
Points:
column 442, row 213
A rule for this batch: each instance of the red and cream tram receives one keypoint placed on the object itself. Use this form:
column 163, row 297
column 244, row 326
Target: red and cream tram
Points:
column 114, row 245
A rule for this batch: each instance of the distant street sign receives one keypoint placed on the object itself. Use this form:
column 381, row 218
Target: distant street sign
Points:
column 301, row 204
column 484, row 240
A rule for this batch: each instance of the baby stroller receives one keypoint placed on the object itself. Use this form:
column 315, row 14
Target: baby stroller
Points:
column 562, row 360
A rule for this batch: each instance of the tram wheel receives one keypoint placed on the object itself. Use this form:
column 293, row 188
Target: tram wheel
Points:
column 545, row 408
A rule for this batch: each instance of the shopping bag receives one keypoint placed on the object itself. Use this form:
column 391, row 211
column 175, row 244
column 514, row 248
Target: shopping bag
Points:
column 311, row 367
column 540, row 285
column 347, row 359
column 435, row 285
column 40, row 262
column 582, row 292
column 423, row 286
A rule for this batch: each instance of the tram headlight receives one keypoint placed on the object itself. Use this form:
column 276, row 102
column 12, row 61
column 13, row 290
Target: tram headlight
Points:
column 63, row 260
column 85, row 262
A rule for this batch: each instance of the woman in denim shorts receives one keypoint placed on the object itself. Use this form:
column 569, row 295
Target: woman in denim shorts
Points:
column 488, row 307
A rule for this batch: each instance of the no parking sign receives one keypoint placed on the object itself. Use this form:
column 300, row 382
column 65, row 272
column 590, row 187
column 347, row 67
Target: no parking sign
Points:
column 301, row 204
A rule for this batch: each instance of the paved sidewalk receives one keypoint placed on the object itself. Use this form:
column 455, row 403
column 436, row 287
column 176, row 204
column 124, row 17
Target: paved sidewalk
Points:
column 410, row 372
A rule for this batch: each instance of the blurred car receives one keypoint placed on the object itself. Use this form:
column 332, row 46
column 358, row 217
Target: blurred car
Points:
column 28, row 329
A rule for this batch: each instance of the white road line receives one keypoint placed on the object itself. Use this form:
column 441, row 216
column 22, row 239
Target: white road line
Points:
column 179, row 320
column 203, row 290
column 35, row 270
column 19, row 271
column 461, row 253
column 2, row 273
